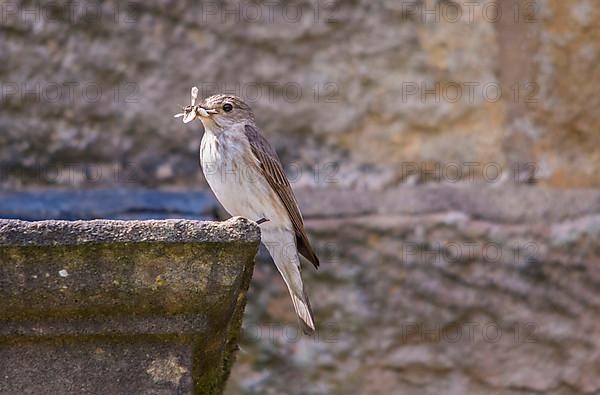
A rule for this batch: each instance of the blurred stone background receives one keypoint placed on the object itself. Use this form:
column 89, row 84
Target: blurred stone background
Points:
column 98, row 82
column 386, row 114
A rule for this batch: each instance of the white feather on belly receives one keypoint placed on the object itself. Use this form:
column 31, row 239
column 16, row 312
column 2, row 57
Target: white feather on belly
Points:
column 233, row 174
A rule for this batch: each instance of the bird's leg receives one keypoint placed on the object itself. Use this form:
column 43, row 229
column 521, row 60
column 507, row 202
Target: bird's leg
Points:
column 262, row 220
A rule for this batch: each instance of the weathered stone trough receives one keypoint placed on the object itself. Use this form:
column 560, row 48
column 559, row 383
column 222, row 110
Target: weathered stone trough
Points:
column 122, row 307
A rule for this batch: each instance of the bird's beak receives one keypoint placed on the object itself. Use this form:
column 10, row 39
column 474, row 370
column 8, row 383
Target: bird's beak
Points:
column 205, row 112
column 192, row 112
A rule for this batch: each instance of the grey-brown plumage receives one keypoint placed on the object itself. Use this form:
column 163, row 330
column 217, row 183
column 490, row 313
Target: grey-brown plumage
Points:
column 276, row 177
column 232, row 144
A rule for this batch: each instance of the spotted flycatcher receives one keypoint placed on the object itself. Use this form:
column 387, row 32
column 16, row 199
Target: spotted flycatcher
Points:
column 246, row 176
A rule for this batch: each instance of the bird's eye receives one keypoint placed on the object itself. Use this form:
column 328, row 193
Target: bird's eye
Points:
column 227, row 107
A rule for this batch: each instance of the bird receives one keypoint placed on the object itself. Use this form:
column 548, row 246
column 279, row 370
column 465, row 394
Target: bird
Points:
column 247, row 177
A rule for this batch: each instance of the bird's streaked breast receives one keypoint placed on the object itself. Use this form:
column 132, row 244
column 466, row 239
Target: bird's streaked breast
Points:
column 233, row 174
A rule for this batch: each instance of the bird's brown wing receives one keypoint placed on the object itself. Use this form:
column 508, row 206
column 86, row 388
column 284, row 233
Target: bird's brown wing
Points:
column 273, row 171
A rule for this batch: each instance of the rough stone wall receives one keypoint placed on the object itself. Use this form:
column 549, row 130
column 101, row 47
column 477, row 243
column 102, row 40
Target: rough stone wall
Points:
column 368, row 121
column 430, row 295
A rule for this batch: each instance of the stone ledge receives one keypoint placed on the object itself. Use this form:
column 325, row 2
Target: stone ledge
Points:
column 67, row 233
column 163, row 300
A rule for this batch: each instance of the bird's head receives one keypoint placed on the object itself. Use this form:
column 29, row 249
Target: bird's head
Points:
column 218, row 112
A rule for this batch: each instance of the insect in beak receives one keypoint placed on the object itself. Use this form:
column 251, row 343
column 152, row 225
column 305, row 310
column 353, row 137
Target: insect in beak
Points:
column 192, row 111
column 189, row 112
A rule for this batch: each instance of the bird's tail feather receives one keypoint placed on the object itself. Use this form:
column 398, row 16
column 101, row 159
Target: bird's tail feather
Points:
column 304, row 312
column 288, row 265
